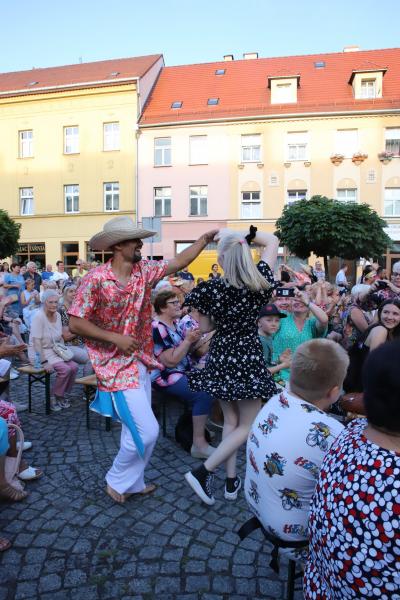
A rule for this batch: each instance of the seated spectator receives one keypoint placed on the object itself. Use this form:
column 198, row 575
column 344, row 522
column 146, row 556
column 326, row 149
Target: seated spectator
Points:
column 269, row 322
column 49, row 284
column 30, row 301
column 186, row 275
column 47, row 273
column 354, row 518
column 215, row 274
column 386, row 329
column 60, row 275
column 172, row 349
column 355, row 320
column 14, row 283
column 289, row 438
column 299, row 327
column 46, row 330
column 383, row 289
column 31, row 273
column 74, row 342
column 319, row 272
column 80, row 271
column 199, row 351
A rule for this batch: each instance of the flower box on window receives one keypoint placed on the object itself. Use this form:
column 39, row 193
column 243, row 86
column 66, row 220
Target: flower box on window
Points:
column 337, row 159
column 385, row 157
column 287, row 164
column 260, row 165
column 307, row 163
column 358, row 158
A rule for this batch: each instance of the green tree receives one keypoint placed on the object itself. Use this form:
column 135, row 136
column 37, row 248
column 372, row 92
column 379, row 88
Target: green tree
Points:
column 9, row 235
column 330, row 228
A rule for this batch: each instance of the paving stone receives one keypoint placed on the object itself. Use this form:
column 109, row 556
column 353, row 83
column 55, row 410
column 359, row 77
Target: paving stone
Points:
column 195, row 566
column 26, row 590
column 167, row 585
column 197, row 583
column 49, row 583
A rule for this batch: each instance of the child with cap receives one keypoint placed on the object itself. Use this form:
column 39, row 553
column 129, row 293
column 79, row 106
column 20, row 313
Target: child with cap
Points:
column 269, row 322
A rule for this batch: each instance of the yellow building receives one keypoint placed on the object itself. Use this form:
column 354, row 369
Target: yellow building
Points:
column 68, row 151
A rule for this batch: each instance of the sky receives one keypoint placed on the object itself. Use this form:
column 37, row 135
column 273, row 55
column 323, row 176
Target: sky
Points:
column 44, row 33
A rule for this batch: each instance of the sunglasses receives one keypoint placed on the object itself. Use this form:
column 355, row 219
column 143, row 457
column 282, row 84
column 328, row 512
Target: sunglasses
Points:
column 174, row 302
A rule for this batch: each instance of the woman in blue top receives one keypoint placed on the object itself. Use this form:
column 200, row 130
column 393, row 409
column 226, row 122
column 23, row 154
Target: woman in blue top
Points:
column 299, row 327
column 14, row 283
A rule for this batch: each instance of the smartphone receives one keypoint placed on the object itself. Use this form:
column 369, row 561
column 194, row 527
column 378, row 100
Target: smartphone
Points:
column 285, row 292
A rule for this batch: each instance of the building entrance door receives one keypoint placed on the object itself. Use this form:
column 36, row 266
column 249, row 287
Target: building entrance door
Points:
column 69, row 255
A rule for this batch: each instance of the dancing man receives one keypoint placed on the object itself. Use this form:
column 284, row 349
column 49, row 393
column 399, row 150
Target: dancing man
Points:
column 112, row 310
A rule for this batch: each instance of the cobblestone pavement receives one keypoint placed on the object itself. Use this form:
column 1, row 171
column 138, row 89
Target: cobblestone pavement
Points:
column 71, row 541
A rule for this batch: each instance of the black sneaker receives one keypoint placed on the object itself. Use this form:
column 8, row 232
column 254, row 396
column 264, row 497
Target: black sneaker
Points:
column 232, row 487
column 201, row 481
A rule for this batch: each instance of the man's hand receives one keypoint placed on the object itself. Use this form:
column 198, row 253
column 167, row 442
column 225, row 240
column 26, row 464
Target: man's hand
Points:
column 125, row 343
column 8, row 350
column 210, row 235
column 193, row 335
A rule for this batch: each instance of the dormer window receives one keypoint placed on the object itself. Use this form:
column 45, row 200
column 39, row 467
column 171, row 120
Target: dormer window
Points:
column 177, row 104
column 367, row 82
column 283, row 88
column 368, row 88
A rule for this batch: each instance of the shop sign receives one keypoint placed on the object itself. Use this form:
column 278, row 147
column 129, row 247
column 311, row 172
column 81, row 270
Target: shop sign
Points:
column 39, row 248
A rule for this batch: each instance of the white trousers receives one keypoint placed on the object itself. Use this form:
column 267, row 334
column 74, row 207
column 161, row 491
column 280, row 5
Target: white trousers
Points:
column 127, row 471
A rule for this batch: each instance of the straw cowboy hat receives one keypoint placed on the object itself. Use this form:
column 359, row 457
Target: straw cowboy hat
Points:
column 118, row 230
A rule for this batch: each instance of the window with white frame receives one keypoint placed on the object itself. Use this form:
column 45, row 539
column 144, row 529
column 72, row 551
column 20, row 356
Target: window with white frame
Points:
column 392, row 202
column 346, row 195
column 162, row 202
column 283, row 92
column 26, row 201
column 368, row 88
column 347, row 142
column 198, row 150
column 251, row 148
column 251, row 205
column 198, row 200
column 111, row 196
column 296, row 195
column 111, row 139
column 71, row 140
column 26, row 143
column 297, row 142
column 71, row 197
column 392, row 140
column 162, row 152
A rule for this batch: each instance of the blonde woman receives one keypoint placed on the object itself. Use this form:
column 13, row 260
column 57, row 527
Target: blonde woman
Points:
column 235, row 371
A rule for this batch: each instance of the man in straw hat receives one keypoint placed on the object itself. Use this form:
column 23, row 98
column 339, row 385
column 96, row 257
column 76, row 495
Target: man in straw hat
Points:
column 112, row 311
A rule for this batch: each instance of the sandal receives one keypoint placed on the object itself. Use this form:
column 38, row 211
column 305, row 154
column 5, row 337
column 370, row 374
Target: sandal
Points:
column 30, row 473
column 116, row 496
column 149, row 489
column 5, row 544
column 8, row 492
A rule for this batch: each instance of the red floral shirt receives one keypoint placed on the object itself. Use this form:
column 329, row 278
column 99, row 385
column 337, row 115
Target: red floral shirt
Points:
column 104, row 301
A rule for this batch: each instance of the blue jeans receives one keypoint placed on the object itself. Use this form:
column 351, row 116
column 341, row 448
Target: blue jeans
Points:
column 200, row 401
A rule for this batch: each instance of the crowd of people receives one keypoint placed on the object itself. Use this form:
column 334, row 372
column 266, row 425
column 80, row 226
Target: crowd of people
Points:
column 278, row 348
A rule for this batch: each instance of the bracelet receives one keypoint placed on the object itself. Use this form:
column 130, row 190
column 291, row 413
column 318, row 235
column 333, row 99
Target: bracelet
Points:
column 44, row 362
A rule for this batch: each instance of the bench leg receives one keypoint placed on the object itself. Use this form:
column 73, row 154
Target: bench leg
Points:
column 290, row 580
column 47, row 392
column 29, row 392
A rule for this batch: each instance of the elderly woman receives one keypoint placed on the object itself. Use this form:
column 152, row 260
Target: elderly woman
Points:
column 354, row 520
column 46, row 330
column 171, row 348
column 74, row 342
column 299, row 327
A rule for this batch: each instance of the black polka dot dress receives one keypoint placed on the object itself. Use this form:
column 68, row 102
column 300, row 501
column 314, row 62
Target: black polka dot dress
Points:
column 235, row 368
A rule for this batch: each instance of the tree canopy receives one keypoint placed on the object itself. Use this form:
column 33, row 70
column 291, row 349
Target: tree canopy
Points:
column 331, row 228
column 9, row 235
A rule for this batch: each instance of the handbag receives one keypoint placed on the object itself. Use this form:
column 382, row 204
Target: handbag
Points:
column 12, row 463
column 63, row 351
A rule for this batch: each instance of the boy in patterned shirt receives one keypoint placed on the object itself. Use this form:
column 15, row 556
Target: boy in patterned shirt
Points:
column 289, row 439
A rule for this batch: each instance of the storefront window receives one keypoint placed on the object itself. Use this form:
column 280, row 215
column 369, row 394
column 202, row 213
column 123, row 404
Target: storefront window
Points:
column 69, row 255
column 32, row 251
column 100, row 256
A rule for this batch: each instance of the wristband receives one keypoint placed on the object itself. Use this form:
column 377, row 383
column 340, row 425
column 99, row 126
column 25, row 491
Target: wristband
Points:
column 44, row 362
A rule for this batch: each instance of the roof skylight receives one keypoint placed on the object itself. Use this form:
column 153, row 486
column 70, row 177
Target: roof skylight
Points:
column 212, row 101
column 177, row 104
column 220, row 71
column 319, row 64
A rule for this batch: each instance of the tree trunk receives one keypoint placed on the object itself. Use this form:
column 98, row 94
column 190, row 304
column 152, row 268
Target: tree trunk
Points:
column 326, row 267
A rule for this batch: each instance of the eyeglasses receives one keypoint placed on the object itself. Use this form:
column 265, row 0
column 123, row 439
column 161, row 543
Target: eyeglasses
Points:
column 174, row 302
column 394, row 274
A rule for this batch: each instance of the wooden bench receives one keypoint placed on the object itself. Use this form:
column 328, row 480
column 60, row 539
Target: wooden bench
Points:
column 90, row 383
column 37, row 376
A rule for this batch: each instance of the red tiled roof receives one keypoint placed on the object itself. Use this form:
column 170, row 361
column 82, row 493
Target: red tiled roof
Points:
column 243, row 90
column 22, row 82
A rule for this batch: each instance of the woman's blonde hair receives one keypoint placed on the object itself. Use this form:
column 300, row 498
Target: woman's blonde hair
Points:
column 239, row 269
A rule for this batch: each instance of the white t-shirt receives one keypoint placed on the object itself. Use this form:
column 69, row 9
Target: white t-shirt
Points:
column 287, row 443
column 57, row 276
column 341, row 278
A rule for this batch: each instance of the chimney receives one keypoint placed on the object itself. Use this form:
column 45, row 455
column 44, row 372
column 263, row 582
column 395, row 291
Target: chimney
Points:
column 250, row 55
column 228, row 57
column 351, row 49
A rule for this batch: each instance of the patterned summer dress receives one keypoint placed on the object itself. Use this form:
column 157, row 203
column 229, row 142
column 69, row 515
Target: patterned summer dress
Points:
column 235, row 367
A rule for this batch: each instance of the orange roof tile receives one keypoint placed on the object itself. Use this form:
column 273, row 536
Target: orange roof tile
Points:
column 79, row 75
column 243, row 90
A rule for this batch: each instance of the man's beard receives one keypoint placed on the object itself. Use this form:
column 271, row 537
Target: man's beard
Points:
column 136, row 258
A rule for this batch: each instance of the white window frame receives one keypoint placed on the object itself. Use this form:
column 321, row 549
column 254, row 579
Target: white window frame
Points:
column 26, row 201
column 297, row 146
column 71, row 192
column 250, row 205
column 295, row 196
column 283, row 93
column 394, row 202
column 198, row 150
column 111, row 136
column 71, row 139
column 201, row 200
column 347, row 147
column 251, row 148
column 162, row 202
column 26, row 143
column 162, row 152
column 392, row 140
column 111, row 194
column 368, row 88
column 346, row 194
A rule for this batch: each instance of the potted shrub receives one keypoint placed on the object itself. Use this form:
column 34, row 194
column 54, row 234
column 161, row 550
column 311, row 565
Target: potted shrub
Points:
column 337, row 159
column 385, row 157
column 359, row 157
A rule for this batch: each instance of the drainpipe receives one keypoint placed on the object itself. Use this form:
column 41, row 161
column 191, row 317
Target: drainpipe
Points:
column 137, row 135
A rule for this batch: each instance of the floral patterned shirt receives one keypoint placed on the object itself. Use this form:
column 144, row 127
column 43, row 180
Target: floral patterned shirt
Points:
column 104, row 301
